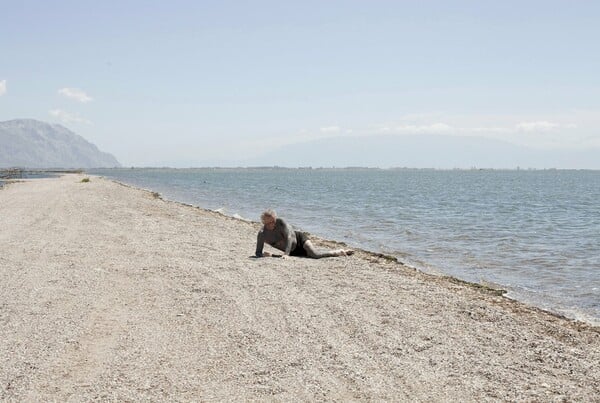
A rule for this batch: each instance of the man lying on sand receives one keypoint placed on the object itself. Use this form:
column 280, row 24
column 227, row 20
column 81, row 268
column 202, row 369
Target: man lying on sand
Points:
column 280, row 235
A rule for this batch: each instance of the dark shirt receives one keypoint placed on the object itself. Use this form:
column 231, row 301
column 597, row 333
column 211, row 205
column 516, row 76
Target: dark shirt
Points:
column 282, row 237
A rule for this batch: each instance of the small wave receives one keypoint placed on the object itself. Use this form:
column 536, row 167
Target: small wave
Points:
column 239, row 217
column 223, row 210
column 579, row 315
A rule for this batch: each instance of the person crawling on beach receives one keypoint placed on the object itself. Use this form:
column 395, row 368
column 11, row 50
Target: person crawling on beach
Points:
column 280, row 235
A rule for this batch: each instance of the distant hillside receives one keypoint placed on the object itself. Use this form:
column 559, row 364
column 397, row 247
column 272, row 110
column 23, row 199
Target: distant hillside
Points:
column 423, row 151
column 29, row 143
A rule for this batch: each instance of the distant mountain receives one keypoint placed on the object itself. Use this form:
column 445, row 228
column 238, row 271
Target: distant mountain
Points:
column 29, row 143
column 423, row 151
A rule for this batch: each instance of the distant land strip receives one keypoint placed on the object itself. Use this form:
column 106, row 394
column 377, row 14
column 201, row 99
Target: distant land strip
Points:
column 20, row 173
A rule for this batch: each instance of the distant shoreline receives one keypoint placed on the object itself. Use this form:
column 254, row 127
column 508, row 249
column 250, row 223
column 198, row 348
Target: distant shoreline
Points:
column 19, row 173
column 350, row 168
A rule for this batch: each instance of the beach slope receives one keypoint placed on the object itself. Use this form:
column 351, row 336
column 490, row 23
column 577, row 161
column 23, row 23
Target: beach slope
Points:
column 111, row 293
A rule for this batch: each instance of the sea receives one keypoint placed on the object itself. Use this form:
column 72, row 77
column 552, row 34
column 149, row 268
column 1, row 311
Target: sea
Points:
column 533, row 233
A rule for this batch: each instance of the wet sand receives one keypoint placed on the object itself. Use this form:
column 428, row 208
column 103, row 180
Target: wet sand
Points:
column 111, row 293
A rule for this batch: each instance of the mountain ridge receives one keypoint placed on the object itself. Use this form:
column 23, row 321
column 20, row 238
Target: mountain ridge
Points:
column 30, row 143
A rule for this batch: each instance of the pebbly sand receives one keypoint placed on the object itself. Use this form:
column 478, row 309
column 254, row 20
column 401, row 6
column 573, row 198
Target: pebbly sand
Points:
column 110, row 293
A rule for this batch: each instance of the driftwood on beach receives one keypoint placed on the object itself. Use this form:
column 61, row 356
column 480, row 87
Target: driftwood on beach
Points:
column 111, row 293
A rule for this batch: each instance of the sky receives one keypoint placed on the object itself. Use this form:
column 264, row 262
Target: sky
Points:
column 204, row 83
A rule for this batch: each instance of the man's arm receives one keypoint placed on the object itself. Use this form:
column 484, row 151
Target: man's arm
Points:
column 260, row 243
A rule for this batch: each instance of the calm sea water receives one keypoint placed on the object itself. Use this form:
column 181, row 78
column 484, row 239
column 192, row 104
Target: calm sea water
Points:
column 534, row 233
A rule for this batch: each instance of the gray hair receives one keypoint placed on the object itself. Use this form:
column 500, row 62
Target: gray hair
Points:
column 268, row 213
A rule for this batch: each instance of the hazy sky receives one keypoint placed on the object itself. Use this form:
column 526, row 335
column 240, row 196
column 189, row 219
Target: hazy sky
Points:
column 185, row 83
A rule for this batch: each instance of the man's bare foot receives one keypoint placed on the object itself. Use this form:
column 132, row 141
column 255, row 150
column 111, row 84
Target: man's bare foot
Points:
column 346, row 252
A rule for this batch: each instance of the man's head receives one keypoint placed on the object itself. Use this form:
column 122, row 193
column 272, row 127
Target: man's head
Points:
column 268, row 218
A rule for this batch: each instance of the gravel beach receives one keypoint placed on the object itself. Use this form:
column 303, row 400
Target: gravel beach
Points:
column 111, row 293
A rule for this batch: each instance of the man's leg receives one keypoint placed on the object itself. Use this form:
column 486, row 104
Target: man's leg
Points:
column 312, row 252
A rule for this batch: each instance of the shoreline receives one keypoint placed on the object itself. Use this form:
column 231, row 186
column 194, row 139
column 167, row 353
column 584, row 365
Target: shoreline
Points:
column 113, row 293
column 568, row 313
